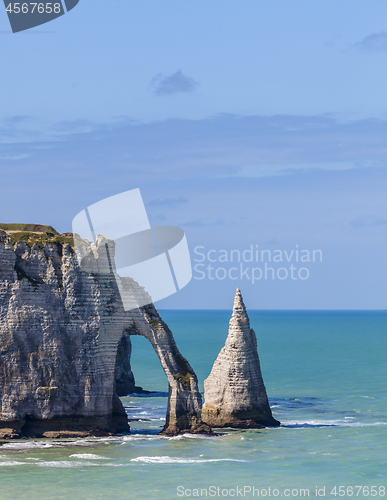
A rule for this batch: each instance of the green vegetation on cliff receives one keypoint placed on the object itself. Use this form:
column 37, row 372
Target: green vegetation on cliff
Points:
column 36, row 233
column 33, row 228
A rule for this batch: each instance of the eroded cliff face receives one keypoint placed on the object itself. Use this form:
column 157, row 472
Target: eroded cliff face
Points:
column 234, row 392
column 60, row 328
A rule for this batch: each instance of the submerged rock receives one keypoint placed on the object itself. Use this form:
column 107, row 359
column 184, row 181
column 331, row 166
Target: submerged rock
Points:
column 60, row 330
column 125, row 383
column 234, row 392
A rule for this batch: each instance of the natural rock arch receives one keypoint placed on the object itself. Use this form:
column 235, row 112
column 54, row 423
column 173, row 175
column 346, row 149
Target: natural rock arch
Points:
column 59, row 332
column 184, row 400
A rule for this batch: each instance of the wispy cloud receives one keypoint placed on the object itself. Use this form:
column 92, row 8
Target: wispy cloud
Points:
column 223, row 147
column 28, row 129
column 368, row 221
column 274, row 169
column 168, row 202
column 173, row 84
column 330, row 165
column 375, row 42
column 14, row 157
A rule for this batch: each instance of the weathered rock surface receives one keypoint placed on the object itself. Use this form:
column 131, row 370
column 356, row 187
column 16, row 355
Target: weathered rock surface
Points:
column 234, row 392
column 60, row 328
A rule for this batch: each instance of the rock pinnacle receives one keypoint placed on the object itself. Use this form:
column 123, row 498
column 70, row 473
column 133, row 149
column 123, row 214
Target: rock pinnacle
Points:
column 235, row 394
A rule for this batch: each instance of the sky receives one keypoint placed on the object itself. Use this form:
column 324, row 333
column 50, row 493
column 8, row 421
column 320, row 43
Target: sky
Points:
column 262, row 123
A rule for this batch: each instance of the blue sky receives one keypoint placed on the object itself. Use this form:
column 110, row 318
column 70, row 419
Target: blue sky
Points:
column 262, row 123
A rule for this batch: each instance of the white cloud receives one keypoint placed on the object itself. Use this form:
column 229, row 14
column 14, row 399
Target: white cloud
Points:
column 274, row 169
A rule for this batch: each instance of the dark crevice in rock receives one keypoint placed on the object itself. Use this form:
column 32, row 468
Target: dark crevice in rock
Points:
column 21, row 274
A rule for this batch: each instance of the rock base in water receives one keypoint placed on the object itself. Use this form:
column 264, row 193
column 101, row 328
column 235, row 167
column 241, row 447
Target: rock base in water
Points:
column 67, row 427
column 201, row 428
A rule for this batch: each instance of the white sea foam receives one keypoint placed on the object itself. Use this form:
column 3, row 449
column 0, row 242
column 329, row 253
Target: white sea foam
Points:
column 175, row 460
column 74, row 464
column 61, row 464
column 142, row 437
column 66, row 464
column 329, row 423
column 88, row 456
column 62, row 443
column 362, row 424
column 11, row 462
column 24, row 445
column 86, row 442
column 192, row 436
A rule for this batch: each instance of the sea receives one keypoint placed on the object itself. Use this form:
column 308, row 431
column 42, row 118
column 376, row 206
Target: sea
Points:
column 326, row 377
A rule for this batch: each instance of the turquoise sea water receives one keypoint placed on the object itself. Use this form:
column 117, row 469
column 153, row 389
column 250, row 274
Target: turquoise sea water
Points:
column 325, row 373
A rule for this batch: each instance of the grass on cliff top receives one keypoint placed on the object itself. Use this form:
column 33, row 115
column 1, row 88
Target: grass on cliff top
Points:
column 32, row 228
column 36, row 233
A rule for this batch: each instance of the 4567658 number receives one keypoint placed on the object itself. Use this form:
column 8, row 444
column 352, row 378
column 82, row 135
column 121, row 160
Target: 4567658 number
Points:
column 30, row 8
column 355, row 491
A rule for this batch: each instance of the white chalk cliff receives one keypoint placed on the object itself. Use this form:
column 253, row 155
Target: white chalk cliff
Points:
column 235, row 395
column 60, row 330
